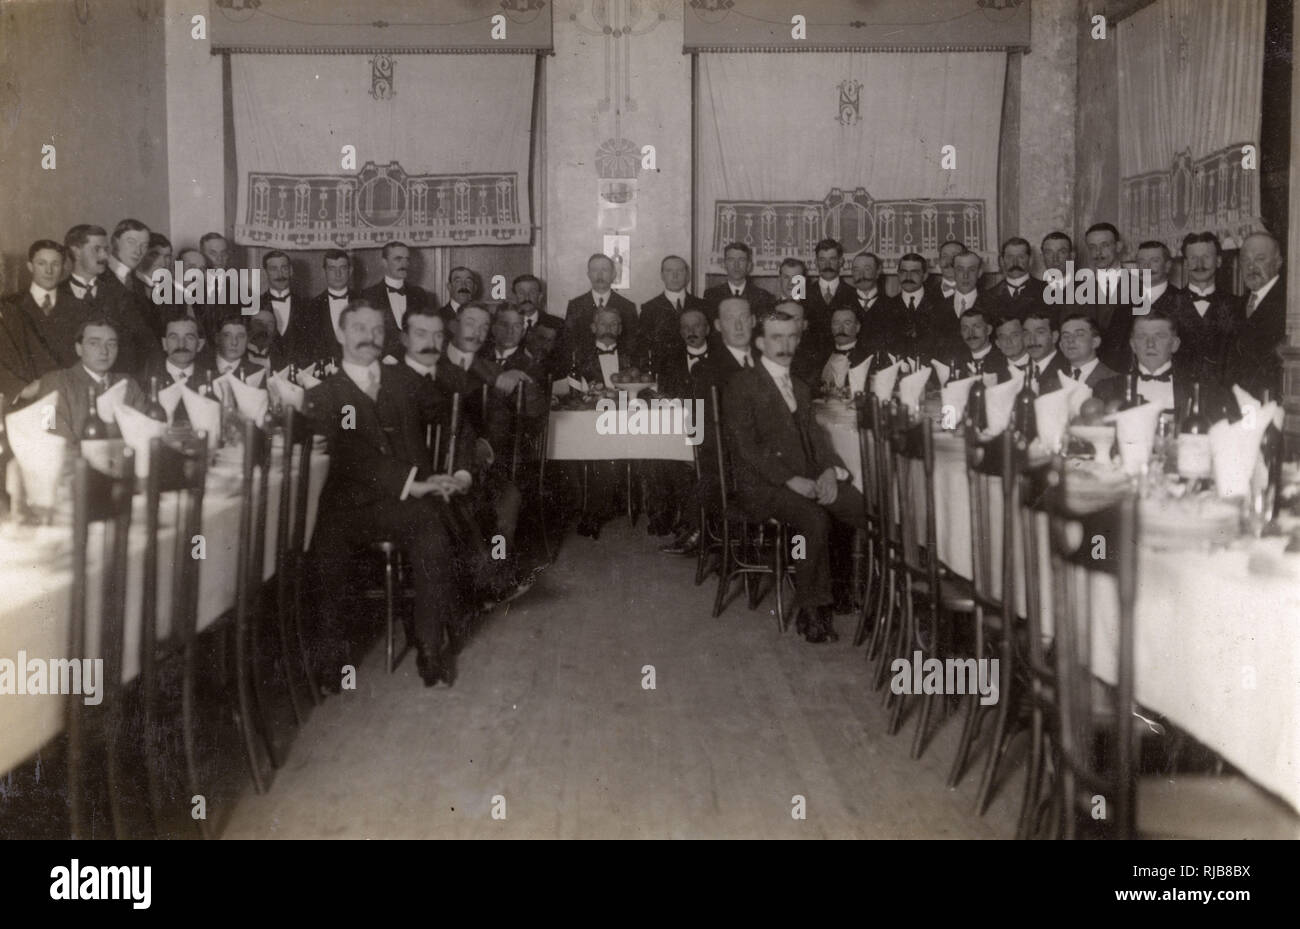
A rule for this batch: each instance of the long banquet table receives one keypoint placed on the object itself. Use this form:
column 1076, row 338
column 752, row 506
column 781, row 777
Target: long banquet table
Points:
column 1218, row 633
column 36, row 577
column 573, row 437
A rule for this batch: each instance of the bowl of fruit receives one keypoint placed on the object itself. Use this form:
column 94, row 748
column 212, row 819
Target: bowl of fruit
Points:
column 631, row 380
column 1090, row 428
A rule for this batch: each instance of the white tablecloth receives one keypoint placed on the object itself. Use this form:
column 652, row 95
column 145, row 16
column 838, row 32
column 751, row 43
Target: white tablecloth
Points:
column 573, row 437
column 36, row 577
column 1217, row 644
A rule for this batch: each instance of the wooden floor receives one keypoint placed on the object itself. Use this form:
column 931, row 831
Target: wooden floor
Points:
column 549, row 717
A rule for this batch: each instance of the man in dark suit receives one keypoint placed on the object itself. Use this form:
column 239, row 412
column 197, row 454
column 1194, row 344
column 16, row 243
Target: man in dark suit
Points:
column 215, row 250
column 949, row 338
column 547, row 348
column 1009, row 337
column 686, row 374
column 1153, row 258
column 157, row 256
column 978, row 354
column 23, row 356
column 825, row 294
column 850, row 352
column 735, row 324
column 581, row 310
column 1252, row 360
column 1057, row 250
column 55, row 314
column 784, row 467
column 1079, row 341
column 96, row 350
column 182, row 344
column 394, row 296
column 507, row 353
column 867, row 296
column 462, row 288
column 1113, row 297
column 231, row 352
column 1041, row 338
column 941, row 286
column 117, row 293
column 320, row 336
column 1154, row 343
column 1207, row 318
column 738, row 259
column 295, row 338
column 911, row 323
column 660, row 318
column 382, row 485
column 1017, row 293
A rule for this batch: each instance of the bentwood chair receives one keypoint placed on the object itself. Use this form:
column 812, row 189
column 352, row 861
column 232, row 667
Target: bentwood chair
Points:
column 748, row 548
column 291, row 522
column 101, row 499
column 877, row 532
column 178, row 467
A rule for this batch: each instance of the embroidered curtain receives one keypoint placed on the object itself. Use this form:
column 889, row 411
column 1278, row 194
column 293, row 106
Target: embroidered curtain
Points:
column 441, row 149
column 850, row 145
column 1190, row 75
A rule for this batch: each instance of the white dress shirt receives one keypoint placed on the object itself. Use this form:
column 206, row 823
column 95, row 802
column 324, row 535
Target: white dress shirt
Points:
column 912, row 300
column 1161, row 392
column 1263, row 292
column 39, row 294
column 830, row 288
column 460, row 359
column 608, row 363
column 1085, row 369
column 601, row 300
column 396, row 302
column 868, row 297
column 502, row 355
column 180, row 375
column 280, row 307
column 781, row 375
column 742, row 356
column 962, row 302
column 1018, row 283
column 226, row 367
column 337, row 304
column 120, row 271
column 677, row 298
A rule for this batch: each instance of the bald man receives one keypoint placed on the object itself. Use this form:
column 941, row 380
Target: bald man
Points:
column 1252, row 361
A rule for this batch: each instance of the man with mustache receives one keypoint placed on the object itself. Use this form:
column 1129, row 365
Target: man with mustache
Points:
column 949, row 338
column 979, row 355
column 294, row 338
column 941, row 286
column 462, row 288
column 394, row 297
column 582, row 310
column 824, row 295
column 1207, row 317
column 849, row 354
column 1045, row 362
column 326, row 308
column 784, row 467
column 382, row 485
column 1017, row 293
column 182, row 343
column 912, row 322
column 1252, row 360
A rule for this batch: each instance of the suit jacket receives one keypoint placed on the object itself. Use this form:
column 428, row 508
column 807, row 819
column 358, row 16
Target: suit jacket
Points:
column 73, row 385
column 1047, row 377
column 678, row 378
column 933, row 287
column 58, row 330
column 947, row 325
column 1205, row 339
column 993, row 363
column 372, row 461
column 1216, row 402
column 919, row 332
column 377, row 294
column 998, row 300
column 24, row 356
column 1102, row 372
column 724, row 364
column 659, row 324
column 434, row 406
column 860, row 352
column 157, row 367
column 818, row 312
column 319, row 341
column 759, row 299
column 244, row 371
column 582, row 309
column 769, row 444
column 1115, row 350
column 299, row 339
column 1252, row 360
column 130, row 312
column 588, row 360
column 498, row 420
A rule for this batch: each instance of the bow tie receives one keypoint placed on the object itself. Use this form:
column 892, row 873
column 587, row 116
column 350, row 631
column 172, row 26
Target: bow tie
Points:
column 397, row 290
column 280, row 299
column 342, row 296
column 842, row 351
column 607, row 351
column 1167, row 377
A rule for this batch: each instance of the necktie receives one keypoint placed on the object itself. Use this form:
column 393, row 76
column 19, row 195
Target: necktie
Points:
column 1168, row 376
column 47, row 303
column 372, row 384
column 827, row 296
column 911, row 303
column 787, row 391
column 842, row 351
column 600, row 303
column 747, row 363
column 334, row 296
column 1251, row 304
column 502, row 359
column 1033, row 371
column 87, row 290
column 607, row 351
column 679, row 304
column 1076, row 374
column 693, row 360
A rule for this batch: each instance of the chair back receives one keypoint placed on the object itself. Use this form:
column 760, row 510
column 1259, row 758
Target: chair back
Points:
column 988, row 464
column 724, row 458
column 517, row 434
column 1096, row 748
column 98, row 498
column 449, row 462
column 912, row 443
column 291, row 524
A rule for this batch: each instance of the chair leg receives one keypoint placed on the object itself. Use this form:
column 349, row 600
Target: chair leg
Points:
column 253, row 750
column 724, row 568
column 923, row 724
column 701, row 550
column 998, row 747
column 1033, row 778
column 864, row 609
column 779, row 577
column 390, row 593
column 969, row 727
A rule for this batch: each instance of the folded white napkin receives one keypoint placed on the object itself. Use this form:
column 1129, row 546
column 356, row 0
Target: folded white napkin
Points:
column 138, row 430
column 1052, row 416
column 204, row 414
column 307, row 380
column 882, row 382
column 39, row 452
column 1247, row 401
column 955, row 395
column 941, row 371
column 999, row 401
column 1234, row 448
column 251, row 401
column 105, row 402
column 912, row 388
column 858, row 377
column 1077, row 392
column 836, row 370
column 169, row 396
column 285, row 391
column 1135, row 430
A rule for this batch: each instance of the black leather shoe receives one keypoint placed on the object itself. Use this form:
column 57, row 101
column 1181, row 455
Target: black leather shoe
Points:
column 685, row 545
column 429, row 664
column 660, row 525
column 826, row 621
column 589, row 527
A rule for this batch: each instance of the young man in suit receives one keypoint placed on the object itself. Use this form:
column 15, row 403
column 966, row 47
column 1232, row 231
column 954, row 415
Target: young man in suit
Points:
column 121, row 299
column 295, row 339
column 1252, row 360
column 687, row 374
column 462, row 288
column 23, row 356
column 1041, row 338
column 1079, row 341
column 1207, row 318
column 546, row 347
column 1057, row 250
column 382, row 485
column 660, row 316
column 582, row 310
column 825, row 295
column 1152, row 257
column 965, row 296
column 215, row 250
column 1017, row 293
column 320, row 339
column 735, row 324
column 1154, row 343
column 96, row 349
column 979, row 356
column 55, row 314
column 1009, row 337
column 911, row 323
column 231, row 352
column 394, row 296
column 784, row 467
column 181, row 344
column 738, row 259
column 157, row 255
column 941, row 286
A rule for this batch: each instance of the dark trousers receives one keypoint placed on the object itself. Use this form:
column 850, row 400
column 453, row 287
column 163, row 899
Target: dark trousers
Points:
column 671, row 491
column 808, row 518
column 420, row 528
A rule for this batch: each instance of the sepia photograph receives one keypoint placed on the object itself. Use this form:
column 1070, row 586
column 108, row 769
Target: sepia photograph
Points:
column 650, row 420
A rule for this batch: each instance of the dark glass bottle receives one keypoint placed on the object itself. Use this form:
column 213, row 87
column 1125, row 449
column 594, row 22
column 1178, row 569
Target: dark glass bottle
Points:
column 1023, row 418
column 976, row 411
column 1270, row 450
column 1194, row 461
column 94, row 427
column 152, row 407
column 956, row 367
column 1132, row 398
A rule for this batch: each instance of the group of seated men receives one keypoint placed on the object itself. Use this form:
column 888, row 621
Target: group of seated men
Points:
column 404, row 359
